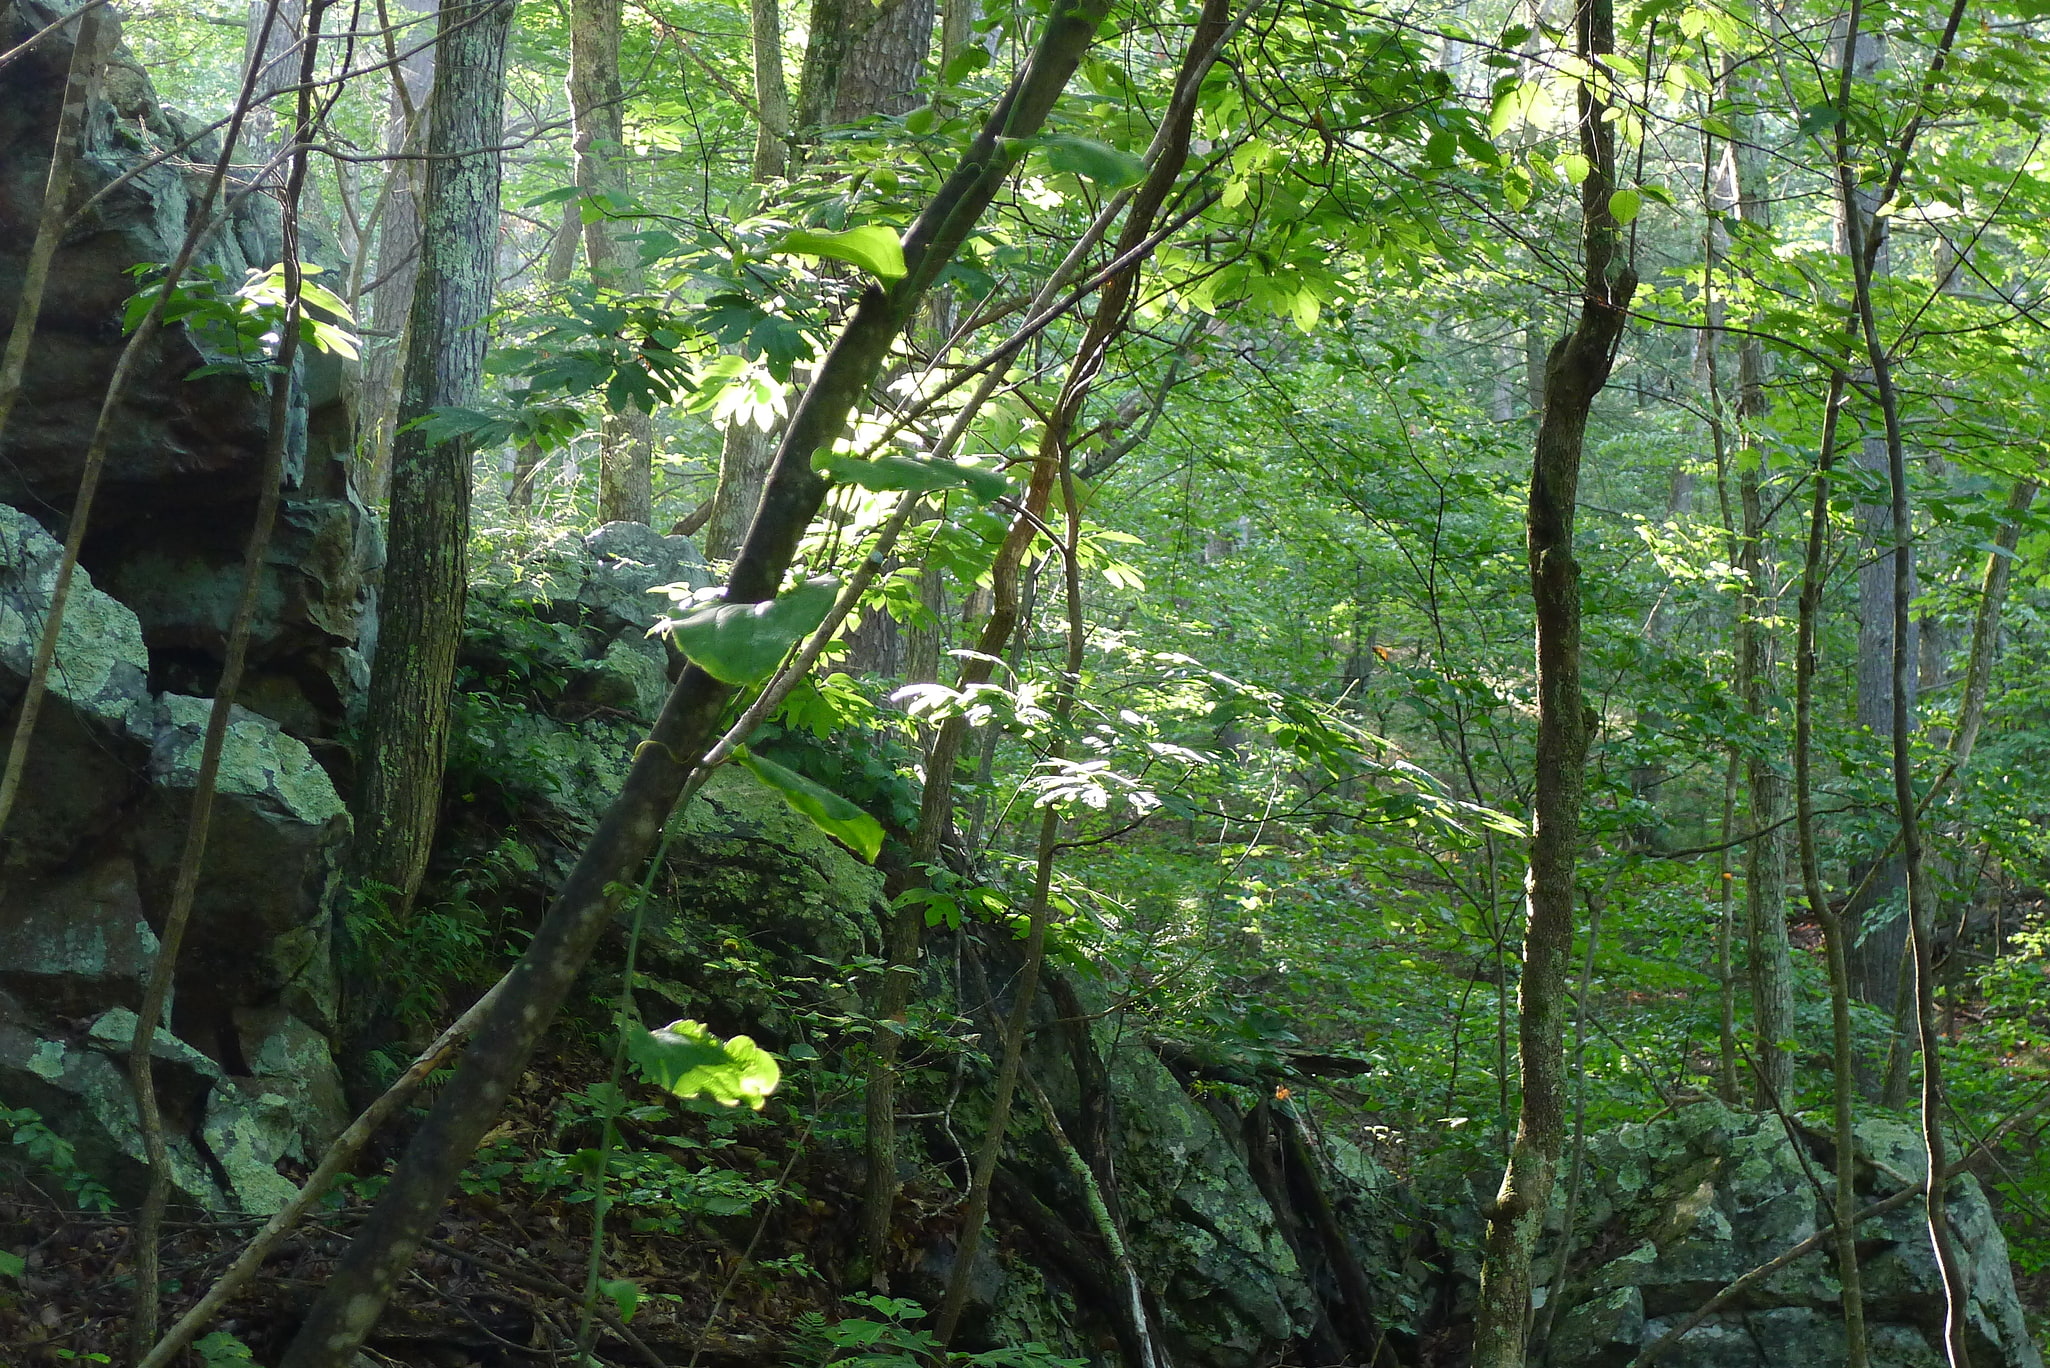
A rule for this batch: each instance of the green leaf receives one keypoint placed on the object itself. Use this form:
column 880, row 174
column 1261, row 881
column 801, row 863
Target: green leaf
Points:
column 828, row 811
column 686, row 1059
column 1624, row 204
column 741, row 643
column 1816, row 118
column 910, row 473
column 12, row 1265
column 625, row 1294
column 1093, row 161
column 873, row 248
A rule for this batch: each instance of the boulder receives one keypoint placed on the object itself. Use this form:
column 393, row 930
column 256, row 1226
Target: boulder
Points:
column 1676, row 1209
column 259, row 932
column 179, row 488
column 93, row 731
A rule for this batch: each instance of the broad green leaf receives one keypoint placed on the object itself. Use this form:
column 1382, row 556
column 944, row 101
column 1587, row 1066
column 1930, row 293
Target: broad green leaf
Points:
column 906, row 473
column 1624, row 204
column 686, row 1059
column 12, row 1265
column 828, row 811
column 1093, row 161
column 873, row 248
column 625, row 1294
column 741, row 643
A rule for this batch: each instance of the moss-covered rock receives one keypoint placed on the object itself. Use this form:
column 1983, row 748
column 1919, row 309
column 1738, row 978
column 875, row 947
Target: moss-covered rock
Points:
column 1677, row 1209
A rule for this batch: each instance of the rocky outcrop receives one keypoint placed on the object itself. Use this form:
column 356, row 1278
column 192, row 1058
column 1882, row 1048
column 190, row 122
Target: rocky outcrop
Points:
column 86, row 870
column 181, row 477
column 89, row 856
column 1677, row 1209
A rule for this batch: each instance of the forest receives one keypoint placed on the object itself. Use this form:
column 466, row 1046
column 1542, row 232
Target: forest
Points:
column 1024, row 683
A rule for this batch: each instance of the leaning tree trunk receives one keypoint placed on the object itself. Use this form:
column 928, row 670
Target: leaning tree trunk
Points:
column 540, row 982
column 426, row 562
column 1575, row 372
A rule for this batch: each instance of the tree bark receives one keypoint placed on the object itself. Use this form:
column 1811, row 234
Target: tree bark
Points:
column 468, row 1105
column 398, row 255
column 772, row 92
column 1844, row 1085
column 398, row 793
column 626, row 475
column 1575, row 372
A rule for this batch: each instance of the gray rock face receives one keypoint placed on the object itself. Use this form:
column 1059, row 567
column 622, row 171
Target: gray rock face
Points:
column 600, row 594
column 179, row 489
column 86, row 869
column 1676, row 1210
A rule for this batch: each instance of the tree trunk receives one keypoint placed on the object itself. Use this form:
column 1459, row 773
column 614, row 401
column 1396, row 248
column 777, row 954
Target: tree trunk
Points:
column 426, row 564
column 859, row 60
column 378, row 1257
column 1864, row 239
column 1575, row 372
column 626, row 491
column 1767, row 856
column 936, row 803
column 772, row 92
column 397, row 262
column 1877, row 922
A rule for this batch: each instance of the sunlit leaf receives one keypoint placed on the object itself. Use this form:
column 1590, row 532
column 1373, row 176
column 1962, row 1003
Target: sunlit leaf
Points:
column 741, row 643
column 828, row 811
column 873, row 248
column 686, row 1059
column 1093, row 161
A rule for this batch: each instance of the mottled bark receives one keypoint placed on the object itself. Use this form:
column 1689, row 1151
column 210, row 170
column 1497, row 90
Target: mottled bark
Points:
column 541, row 981
column 745, row 452
column 398, row 791
column 1575, row 372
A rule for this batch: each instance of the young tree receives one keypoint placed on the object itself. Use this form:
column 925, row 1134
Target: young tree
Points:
column 1575, row 372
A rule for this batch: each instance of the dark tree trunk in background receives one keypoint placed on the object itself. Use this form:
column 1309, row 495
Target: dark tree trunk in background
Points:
column 1575, row 372
column 426, row 570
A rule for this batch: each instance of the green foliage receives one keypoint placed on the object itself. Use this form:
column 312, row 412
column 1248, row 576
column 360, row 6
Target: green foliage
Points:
column 828, row 811
column 39, row 1153
column 686, row 1059
column 242, row 325
column 742, row 643
column 222, row 1350
column 890, row 1338
column 873, row 248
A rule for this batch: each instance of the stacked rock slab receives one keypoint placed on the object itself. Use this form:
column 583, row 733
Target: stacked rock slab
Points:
column 88, row 858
